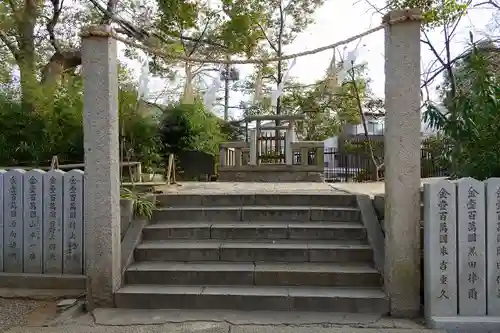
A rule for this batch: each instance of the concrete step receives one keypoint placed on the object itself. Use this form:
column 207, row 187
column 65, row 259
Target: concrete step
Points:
column 255, row 230
column 360, row 300
column 257, row 213
column 292, row 199
column 260, row 273
column 255, row 250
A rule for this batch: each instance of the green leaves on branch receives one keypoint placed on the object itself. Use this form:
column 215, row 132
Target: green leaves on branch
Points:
column 186, row 127
column 435, row 12
column 471, row 120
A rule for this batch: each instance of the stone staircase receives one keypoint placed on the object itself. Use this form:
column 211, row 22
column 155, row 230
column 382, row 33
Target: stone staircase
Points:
column 255, row 252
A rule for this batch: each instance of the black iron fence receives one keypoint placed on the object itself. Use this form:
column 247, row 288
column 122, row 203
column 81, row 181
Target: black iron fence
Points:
column 345, row 166
column 340, row 165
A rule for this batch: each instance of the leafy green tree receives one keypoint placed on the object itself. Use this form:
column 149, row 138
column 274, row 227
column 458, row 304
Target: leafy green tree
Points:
column 185, row 127
column 435, row 12
column 32, row 138
column 278, row 26
column 471, row 121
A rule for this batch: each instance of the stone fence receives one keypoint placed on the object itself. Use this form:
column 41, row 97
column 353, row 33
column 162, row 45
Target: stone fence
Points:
column 41, row 222
column 462, row 254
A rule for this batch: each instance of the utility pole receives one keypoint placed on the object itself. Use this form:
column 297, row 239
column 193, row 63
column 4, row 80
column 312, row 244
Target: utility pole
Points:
column 226, row 92
column 228, row 74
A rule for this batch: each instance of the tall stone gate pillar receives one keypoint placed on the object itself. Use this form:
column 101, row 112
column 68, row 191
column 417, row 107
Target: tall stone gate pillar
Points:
column 102, row 183
column 402, row 162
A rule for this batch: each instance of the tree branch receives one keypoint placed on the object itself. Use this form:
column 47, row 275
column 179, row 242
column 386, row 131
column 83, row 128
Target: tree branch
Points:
column 51, row 24
column 267, row 38
column 110, row 9
column 490, row 2
column 198, row 40
column 9, row 44
column 14, row 11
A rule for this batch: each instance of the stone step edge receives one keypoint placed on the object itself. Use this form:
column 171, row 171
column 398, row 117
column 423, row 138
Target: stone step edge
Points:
column 225, row 266
column 254, row 225
column 271, row 244
column 283, row 291
column 334, row 193
column 278, row 208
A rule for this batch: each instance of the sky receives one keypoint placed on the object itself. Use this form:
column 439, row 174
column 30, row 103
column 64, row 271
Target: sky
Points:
column 339, row 19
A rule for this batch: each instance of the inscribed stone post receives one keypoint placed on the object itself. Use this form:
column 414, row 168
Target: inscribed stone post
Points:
column 13, row 221
column 440, row 249
column 471, row 247
column 53, row 222
column 402, row 162
column 73, row 222
column 2, row 173
column 493, row 246
column 33, row 215
column 102, row 182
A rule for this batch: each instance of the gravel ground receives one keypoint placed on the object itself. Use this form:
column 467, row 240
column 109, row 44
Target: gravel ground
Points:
column 20, row 312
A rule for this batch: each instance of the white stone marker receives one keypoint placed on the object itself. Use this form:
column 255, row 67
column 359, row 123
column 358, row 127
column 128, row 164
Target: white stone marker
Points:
column 440, row 249
column 13, row 221
column 73, row 222
column 53, row 222
column 493, row 246
column 2, row 172
column 33, row 216
column 471, row 248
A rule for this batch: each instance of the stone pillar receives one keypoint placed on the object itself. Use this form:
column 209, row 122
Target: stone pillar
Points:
column 102, row 183
column 253, row 147
column 288, row 144
column 402, row 162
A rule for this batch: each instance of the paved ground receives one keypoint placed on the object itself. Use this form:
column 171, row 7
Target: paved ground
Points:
column 18, row 312
column 212, row 321
column 243, row 188
column 372, row 188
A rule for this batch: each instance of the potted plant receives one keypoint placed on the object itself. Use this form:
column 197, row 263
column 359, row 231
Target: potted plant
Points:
column 133, row 204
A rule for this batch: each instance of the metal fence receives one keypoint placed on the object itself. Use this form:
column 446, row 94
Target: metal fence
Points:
column 272, row 149
column 342, row 166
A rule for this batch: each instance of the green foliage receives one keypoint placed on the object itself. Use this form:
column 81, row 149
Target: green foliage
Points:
column 471, row 121
column 232, row 130
column 144, row 204
column 435, row 12
column 326, row 111
column 187, row 127
column 140, row 130
column 32, row 138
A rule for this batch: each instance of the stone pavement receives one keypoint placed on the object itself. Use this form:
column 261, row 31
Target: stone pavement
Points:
column 206, row 328
column 247, row 188
column 21, row 312
column 215, row 321
column 371, row 188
